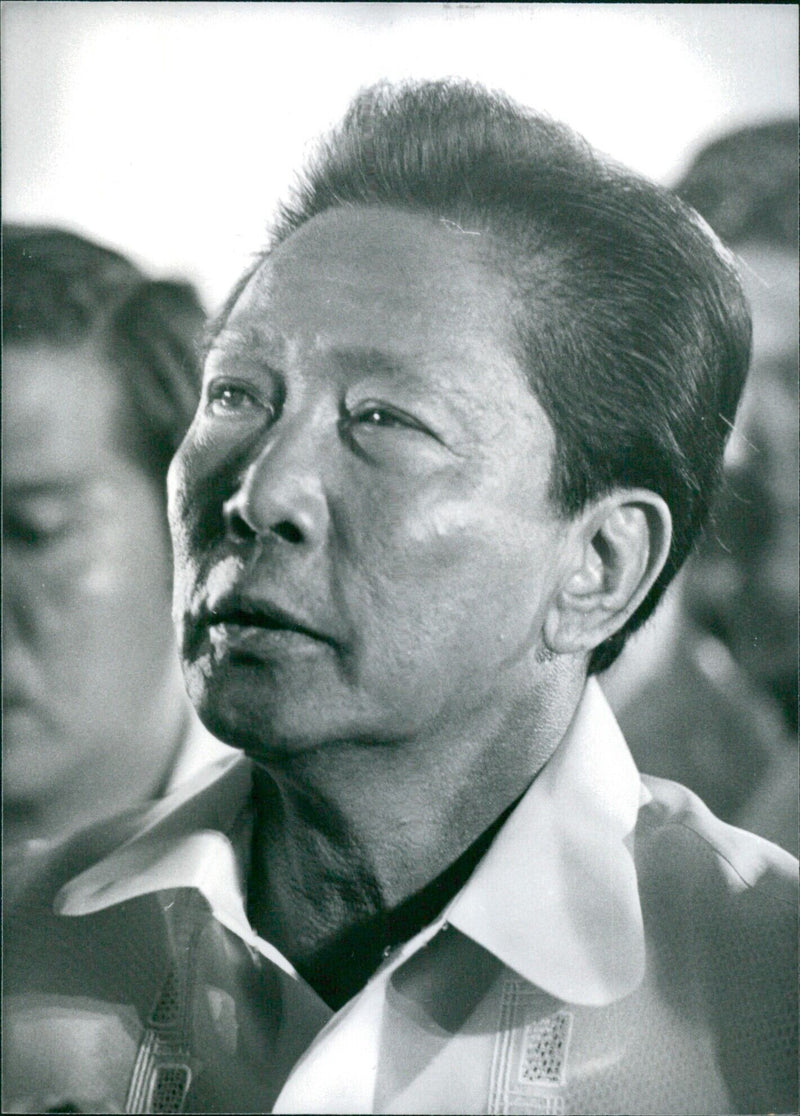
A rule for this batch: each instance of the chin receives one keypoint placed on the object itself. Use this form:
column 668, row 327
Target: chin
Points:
column 259, row 715
column 279, row 709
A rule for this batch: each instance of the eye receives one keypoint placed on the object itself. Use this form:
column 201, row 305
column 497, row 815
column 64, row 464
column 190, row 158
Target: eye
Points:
column 226, row 398
column 36, row 527
column 379, row 416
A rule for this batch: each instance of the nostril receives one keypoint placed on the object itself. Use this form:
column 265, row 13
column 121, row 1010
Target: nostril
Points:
column 288, row 532
column 238, row 528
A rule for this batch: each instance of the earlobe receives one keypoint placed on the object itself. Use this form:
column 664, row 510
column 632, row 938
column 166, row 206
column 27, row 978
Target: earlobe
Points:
column 617, row 550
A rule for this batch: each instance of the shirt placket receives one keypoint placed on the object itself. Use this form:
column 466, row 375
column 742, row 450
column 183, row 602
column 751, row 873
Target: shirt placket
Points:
column 339, row 1071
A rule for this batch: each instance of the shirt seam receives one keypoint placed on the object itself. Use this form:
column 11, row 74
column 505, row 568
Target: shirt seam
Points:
column 717, row 852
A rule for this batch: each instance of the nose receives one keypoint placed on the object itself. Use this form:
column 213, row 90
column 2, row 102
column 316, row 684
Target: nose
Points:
column 21, row 624
column 280, row 493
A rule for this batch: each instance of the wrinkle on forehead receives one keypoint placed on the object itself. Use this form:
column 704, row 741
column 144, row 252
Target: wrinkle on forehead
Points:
column 389, row 263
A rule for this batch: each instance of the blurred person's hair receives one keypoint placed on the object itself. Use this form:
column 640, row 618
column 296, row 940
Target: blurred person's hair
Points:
column 61, row 290
column 745, row 185
column 628, row 316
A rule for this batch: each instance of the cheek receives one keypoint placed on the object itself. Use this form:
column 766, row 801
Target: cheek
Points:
column 105, row 623
column 181, row 480
column 123, row 587
column 453, row 599
column 201, row 478
column 472, row 533
column 94, row 589
column 452, row 567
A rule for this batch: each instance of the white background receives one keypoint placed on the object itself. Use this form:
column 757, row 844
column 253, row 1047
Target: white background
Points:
column 169, row 130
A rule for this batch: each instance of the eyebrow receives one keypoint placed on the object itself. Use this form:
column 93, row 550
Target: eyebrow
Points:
column 364, row 359
column 248, row 340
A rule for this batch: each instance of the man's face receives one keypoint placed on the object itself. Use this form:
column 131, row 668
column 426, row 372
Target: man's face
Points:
column 367, row 465
column 86, row 574
column 744, row 586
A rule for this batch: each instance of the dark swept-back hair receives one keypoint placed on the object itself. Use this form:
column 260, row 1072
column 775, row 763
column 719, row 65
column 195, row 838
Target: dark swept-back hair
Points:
column 745, row 184
column 628, row 315
column 62, row 290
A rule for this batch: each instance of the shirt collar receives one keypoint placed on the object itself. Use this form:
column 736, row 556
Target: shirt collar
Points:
column 198, row 749
column 555, row 898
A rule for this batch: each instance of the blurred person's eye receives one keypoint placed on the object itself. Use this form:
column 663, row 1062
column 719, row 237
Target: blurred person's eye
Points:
column 39, row 522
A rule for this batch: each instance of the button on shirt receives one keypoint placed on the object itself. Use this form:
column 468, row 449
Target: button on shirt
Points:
column 617, row 949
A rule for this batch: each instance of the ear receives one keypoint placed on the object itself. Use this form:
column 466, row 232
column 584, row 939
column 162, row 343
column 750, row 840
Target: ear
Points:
column 615, row 550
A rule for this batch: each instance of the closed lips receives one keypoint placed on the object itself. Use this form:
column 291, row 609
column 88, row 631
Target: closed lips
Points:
column 272, row 619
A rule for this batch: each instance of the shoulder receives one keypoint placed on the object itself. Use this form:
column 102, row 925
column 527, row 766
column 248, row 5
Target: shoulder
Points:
column 720, row 914
column 679, row 839
column 45, row 954
column 719, row 897
column 43, row 948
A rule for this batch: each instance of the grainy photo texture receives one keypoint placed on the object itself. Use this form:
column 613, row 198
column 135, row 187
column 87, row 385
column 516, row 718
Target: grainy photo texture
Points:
column 400, row 558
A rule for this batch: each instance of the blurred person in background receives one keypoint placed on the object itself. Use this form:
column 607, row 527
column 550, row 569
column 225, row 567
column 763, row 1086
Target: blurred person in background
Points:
column 726, row 672
column 100, row 383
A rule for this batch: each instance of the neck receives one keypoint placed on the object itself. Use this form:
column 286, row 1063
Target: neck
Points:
column 357, row 846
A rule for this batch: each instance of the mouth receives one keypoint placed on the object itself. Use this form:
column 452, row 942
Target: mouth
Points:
column 248, row 626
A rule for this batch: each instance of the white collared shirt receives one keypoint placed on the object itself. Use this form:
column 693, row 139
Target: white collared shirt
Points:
column 617, row 949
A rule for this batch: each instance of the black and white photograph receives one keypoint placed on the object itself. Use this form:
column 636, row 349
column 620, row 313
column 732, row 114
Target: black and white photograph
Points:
column 400, row 557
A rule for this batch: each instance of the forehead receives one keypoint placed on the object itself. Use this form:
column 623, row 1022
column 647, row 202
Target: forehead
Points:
column 382, row 279
column 60, row 414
